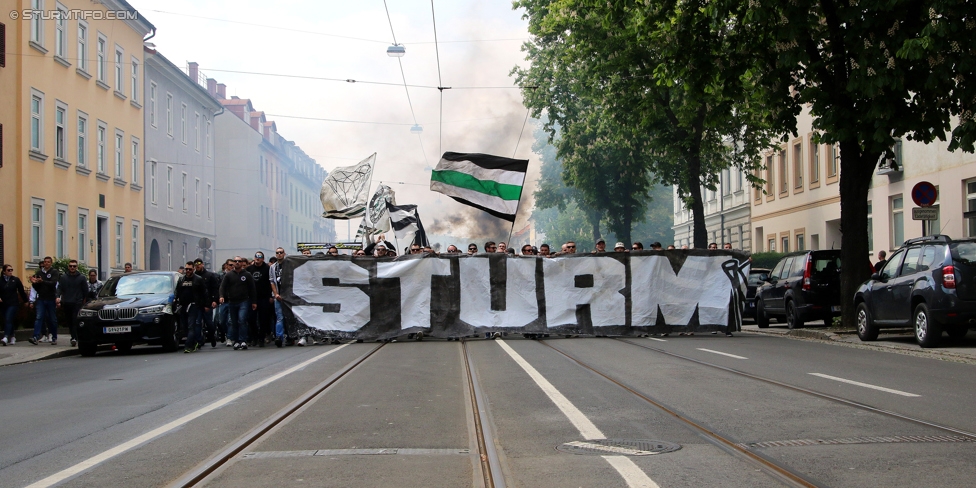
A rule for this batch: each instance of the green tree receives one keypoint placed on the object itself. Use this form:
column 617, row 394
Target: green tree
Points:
column 663, row 76
column 871, row 72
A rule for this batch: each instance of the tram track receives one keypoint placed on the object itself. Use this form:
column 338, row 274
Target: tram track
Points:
column 488, row 454
column 199, row 475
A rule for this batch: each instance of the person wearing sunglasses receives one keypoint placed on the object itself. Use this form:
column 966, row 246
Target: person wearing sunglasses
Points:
column 237, row 290
column 415, row 249
column 71, row 292
column 275, row 278
column 527, row 250
column 490, row 246
column 452, row 249
column 11, row 295
column 472, row 249
column 191, row 296
column 261, row 322
column 45, row 282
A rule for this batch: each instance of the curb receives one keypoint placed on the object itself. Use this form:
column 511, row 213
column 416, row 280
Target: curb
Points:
column 839, row 337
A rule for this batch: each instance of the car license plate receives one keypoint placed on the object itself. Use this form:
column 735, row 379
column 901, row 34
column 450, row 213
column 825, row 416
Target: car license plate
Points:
column 835, row 308
column 119, row 329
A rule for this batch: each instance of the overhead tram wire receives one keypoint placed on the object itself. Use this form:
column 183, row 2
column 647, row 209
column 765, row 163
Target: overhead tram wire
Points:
column 440, row 85
column 351, row 80
column 404, row 77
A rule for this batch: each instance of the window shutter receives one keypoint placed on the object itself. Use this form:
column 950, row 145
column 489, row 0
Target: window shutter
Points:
column 3, row 45
column 1, row 154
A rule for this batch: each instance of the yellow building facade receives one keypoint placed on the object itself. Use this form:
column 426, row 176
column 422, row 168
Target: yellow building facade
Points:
column 71, row 101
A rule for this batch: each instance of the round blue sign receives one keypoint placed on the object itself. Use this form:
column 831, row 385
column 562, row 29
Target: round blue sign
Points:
column 924, row 194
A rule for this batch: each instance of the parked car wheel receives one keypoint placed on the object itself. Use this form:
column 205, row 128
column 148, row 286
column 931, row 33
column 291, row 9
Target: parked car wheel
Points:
column 958, row 332
column 927, row 331
column 762, row 320
column 87, row 349
column 793, row 320
column 866, row 330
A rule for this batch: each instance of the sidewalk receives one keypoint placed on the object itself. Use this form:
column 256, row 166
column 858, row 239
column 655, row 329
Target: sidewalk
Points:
column 890, row 340
column 25, row 352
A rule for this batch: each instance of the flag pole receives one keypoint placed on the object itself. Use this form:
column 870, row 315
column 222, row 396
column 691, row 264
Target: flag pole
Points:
column 519, row 204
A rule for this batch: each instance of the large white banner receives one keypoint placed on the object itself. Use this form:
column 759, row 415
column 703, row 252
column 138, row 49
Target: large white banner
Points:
column 454, row 296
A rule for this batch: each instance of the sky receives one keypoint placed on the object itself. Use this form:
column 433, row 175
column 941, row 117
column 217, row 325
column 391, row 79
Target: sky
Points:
column 479, row 43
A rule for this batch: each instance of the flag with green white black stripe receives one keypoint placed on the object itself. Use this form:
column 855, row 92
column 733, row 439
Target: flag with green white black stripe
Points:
column 490, row 183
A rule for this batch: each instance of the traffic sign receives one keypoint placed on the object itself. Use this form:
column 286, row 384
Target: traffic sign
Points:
column 925, row 194
column 925, row 213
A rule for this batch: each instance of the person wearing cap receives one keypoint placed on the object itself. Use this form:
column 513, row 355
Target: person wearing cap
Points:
column 379, row 250
column 601, row 247
column 260, row 323
column 619, row 247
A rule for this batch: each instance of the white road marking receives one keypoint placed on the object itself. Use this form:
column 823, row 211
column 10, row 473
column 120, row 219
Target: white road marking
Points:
column 858, row 383
column 152, row 434
column 631, row 473
column 722, row 353
column 655, row 339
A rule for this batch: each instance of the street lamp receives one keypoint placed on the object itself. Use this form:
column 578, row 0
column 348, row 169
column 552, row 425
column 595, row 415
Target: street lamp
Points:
column 396, row 51
column 416, row 129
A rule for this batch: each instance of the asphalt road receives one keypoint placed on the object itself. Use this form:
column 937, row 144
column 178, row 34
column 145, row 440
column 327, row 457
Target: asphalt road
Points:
column 405, row 417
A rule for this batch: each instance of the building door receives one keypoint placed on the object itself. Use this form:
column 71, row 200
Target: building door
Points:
column 154, row 256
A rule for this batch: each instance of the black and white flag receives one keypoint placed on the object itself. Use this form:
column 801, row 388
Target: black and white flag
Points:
column 406, row 225
column 345, row 190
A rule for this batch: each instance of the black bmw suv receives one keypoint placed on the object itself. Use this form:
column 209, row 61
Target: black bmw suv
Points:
column 928, row 284
column 134, row 308
column 803, row 286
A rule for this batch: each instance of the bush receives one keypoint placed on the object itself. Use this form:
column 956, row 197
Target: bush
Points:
column 766, row 259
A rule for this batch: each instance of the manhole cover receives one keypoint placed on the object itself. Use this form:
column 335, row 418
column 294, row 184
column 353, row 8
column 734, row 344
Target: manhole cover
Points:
column 623, row 447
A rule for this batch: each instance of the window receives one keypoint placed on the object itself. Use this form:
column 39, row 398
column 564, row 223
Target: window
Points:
column 100, row 150
column 183, row 122
column 152, row 182
column 152, row 104
column 814, row 162
column 135, row 80
column 910, row 265
column 209, row 201
column 786, row 244
column 82, row 139
column 783, row 180
column 60, row 36
column 897, row 221
column 834, row 161
column 59, row 128
column 169, row 253
column 184, row 193
column 970, row 213
column 37, row 25
column 769, row 175
column 37, row 124
column 196, row 131
column 101, row 63
column 82, row 45
column 37, row 228
column 135, row 244
column 60, row 221
column 118, row 242
column 800, row 244
column 196, row 196
column 209, row 147
column 134, row 176
column 169, row 186
column 82, row 235
column 797, row 166
column 119, row 71
column 169, row 114
column 870, row 227
column 119, row 139
column 262, row 220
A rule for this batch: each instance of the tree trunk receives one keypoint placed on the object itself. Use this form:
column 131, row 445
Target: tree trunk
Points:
column 856, row 170
column 626, row 221
column 697, row 205
column 593, row 217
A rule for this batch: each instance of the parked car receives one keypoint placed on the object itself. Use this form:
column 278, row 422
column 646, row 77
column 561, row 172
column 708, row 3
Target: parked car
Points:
column 134, row 308
column 803, row 286
column 928, row 284
column 756, row 277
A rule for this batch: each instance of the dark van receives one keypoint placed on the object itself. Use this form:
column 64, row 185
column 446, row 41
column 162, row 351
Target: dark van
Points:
column 803, row 286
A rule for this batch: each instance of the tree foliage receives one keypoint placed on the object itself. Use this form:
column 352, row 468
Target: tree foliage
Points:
column 871, row 72
column 660, row 82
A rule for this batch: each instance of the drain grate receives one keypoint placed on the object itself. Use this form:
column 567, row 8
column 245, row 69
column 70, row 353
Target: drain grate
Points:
column 895, row 439
column 403, row 451
column 624, row 447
